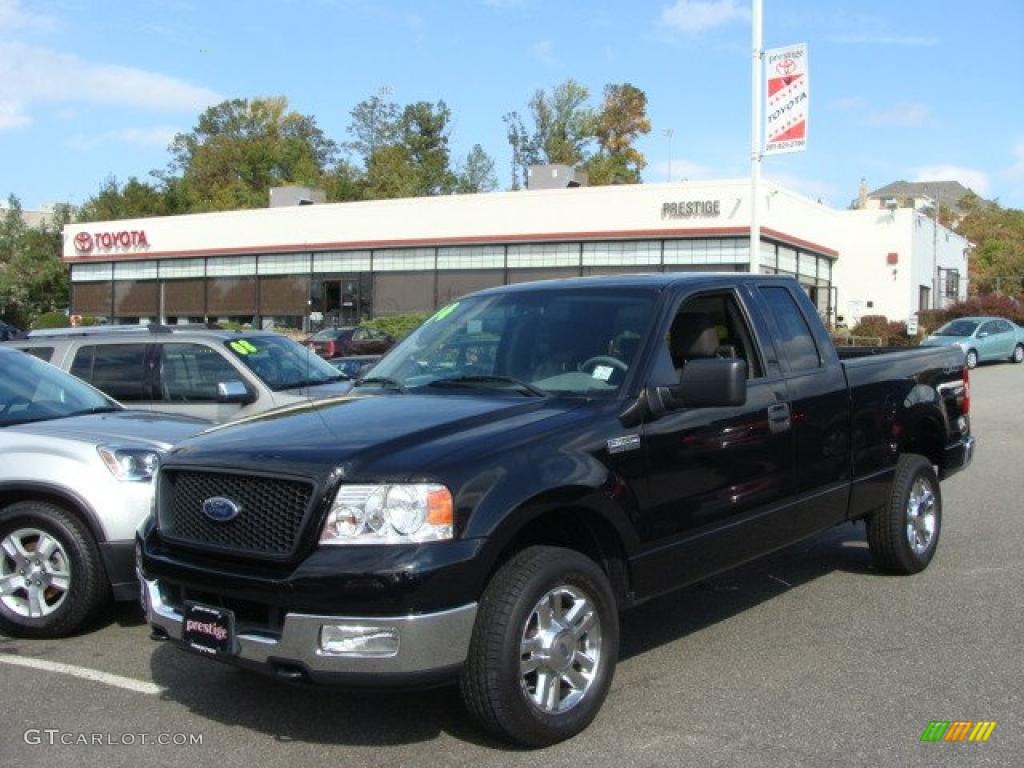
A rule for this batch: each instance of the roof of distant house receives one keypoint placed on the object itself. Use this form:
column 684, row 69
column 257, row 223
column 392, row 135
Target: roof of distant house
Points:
column 949, row 193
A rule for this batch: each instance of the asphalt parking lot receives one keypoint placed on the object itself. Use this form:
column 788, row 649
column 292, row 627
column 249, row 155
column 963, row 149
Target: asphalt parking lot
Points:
column 808, row 657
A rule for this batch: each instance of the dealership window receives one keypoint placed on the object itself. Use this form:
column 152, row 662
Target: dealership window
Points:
column 471, row 257
column 769, row 258
column 787, row 260
column 179, row 268
column 284, row 264
column 86, row 273
column 341, row 261
column 135, row 270
column 625, row 253
column 404, row 260
column 544, row 255
column 231, row 266
column 706, row 251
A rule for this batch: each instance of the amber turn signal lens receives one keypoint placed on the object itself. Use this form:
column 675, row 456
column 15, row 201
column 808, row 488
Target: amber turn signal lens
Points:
column 440, row 510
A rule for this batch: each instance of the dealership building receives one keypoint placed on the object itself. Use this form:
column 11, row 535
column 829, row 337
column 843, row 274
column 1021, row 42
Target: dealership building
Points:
column 299, row 265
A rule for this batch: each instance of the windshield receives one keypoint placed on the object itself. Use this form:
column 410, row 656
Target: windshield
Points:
column 31, row 390
column 957, row 328
column 578, row 341
column 282, row 363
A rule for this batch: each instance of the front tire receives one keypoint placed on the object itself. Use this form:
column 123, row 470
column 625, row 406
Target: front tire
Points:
column 903, row 535
column 972, row 359
column 1018, row 354
column 51, row 578
column 544, row 648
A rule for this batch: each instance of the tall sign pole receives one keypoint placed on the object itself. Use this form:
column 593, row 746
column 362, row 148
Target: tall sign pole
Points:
column 756, row 82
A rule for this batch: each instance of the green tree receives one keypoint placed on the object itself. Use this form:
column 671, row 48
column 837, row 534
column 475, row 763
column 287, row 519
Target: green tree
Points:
column 997, row 260
column 423, row 131
column 621, row 121
column 563, row 123
column 240, row 148
column 476, row 172
column 135, row 199
column 391, row 173
column 33, row 279
column 375, row 124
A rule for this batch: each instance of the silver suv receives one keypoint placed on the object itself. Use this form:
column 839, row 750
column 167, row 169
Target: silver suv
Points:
column 191, row 370
column 75, row 483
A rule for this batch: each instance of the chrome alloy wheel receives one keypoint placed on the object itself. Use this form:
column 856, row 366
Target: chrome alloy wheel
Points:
column 560, row 651
column 35, row 573
column 921, row 516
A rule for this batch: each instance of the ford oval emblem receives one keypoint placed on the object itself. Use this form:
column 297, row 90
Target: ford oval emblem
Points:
column 221, row 510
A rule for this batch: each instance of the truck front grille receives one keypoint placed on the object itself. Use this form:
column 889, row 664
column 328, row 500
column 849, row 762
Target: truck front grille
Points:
column 269, row 522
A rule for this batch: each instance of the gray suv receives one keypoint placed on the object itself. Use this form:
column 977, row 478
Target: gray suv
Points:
column 75, row 482
column 199, row 371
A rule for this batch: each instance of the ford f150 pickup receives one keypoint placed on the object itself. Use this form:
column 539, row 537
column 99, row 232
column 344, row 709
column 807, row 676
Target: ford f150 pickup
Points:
column 531, row 462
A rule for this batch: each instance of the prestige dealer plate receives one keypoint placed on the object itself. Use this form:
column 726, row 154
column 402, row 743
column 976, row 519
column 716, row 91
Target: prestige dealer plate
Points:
column 209, row 630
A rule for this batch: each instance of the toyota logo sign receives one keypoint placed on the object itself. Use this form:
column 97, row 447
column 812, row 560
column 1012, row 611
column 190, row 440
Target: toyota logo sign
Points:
column 83, row 241
column 785, row 67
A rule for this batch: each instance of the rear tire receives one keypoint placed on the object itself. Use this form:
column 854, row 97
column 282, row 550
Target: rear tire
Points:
column 904, row 534
column 972, row 358
column 544, row 648
column 51, row 578
column 1018, row 354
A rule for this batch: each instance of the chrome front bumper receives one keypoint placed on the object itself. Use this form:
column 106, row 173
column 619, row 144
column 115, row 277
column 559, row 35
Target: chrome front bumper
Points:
column 427, row 642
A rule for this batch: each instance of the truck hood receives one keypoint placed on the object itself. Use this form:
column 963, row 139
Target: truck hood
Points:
column 131, row 428
column 356, row 433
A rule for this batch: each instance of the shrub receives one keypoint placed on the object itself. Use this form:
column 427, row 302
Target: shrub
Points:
column 397, row 326
column 892, row 333
column 51, row 320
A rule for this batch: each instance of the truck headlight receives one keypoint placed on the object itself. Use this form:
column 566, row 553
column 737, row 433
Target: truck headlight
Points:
column 133, row 464
column 389, row 514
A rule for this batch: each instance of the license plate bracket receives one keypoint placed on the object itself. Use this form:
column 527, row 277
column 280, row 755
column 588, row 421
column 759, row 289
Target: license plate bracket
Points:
column 209, row 630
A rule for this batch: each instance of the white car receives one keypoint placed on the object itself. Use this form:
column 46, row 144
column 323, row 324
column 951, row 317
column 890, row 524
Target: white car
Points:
column 75, row 483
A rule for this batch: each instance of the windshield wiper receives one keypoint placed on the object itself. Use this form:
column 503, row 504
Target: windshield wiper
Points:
column 458, row 381
column 316, row 382
column 385, row 381
column 90, row 411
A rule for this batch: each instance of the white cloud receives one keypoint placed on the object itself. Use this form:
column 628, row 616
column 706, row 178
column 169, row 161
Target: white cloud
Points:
column 544, row 52
column 12, row 16
column 12, row 116
column 970, row 177
column 156, row 136
column 883, row 39
column 30, row 75
column 694, row 16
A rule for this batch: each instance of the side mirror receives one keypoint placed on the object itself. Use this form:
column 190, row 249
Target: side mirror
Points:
column 708, row 383
column 233, row 392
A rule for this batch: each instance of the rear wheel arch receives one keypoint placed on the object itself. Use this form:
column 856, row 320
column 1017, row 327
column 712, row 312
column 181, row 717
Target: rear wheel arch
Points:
column 925, row 436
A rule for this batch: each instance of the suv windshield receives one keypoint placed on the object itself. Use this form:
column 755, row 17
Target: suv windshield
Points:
column 577, row 342
column 282, row 363
column 31, row 390
column 957, row 328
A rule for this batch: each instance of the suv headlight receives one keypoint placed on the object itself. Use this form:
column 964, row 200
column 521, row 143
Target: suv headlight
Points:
column 389, row 514
column 133, row 464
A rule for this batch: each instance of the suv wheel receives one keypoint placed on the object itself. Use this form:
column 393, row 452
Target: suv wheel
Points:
column 544, row 647
column 904, row 534
column 51, row 579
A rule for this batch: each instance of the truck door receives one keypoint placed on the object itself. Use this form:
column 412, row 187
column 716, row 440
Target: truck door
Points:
column 820, row 407
column 711, row 469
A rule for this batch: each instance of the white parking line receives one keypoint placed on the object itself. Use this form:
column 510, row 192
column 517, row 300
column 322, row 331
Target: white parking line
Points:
column 83, row 673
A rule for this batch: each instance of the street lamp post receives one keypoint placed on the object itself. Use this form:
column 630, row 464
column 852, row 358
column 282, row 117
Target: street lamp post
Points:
column 669, row 132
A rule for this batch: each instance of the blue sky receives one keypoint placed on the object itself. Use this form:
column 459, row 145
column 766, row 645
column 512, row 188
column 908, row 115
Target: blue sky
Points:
column 900, row 90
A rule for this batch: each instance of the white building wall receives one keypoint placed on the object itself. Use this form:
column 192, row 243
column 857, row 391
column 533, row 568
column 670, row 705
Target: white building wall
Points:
column 868, row 285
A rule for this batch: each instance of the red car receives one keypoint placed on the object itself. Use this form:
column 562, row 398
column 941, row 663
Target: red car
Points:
column 343, row 342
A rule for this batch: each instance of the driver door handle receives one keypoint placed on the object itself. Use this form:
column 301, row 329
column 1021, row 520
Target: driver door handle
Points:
column 779, row 418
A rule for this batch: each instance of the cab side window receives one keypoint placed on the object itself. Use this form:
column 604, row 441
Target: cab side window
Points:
column 119, row 370
column 796, row 343
column 190, row 373
column 709, row 326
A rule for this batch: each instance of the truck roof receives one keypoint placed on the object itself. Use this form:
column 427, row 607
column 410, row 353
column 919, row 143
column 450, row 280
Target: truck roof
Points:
column 657, row 280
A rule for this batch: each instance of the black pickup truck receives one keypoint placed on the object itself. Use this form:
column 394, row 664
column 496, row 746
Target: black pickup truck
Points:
column 528, row 464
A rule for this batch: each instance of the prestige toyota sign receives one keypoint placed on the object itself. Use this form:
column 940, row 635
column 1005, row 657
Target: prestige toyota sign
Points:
column 107, row 242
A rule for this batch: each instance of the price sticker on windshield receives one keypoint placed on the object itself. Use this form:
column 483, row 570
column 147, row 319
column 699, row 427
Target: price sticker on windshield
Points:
column 602, row 372
column 244, row 347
